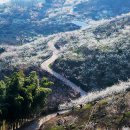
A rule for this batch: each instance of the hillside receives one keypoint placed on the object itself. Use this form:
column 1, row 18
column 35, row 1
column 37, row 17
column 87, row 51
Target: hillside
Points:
column 98, row 56
column 108, row 113
column 93, row 58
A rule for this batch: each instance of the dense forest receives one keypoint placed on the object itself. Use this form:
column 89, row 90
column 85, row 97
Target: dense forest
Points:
column 22, row 97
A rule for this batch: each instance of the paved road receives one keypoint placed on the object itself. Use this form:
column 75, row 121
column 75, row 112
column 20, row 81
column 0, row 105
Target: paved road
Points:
column 37, row 123
column 45, row 66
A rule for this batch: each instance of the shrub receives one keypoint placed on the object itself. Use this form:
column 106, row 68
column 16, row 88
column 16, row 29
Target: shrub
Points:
column 2, row 50
column 58, row 128
column 88, row 106
column 127, row 114
column 103, row 102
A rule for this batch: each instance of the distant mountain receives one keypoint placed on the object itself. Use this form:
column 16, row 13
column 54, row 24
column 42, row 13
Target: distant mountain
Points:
column 21, row 21
column 102, row 9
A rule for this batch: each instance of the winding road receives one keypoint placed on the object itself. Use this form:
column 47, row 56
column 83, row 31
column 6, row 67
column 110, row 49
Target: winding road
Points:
column 45, row 66
column 84, row 98
column 35, row 125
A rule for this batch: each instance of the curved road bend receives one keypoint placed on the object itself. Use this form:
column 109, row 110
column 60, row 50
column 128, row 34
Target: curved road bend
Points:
column 45, row 66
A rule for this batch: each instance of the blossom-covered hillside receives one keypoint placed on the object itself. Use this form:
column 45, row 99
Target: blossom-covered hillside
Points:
column 93, row 58
column 98, row 56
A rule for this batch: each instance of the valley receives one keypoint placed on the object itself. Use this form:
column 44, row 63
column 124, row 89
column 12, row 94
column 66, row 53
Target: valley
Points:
column 82, row 47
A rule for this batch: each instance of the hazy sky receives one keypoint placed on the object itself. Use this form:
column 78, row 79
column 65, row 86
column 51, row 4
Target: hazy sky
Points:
column 3, row 1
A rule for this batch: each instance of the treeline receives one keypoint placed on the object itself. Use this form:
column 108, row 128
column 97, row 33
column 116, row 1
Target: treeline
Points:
column 22, row 98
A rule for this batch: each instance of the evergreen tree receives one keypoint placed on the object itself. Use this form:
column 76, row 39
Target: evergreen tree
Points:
column 21, row 96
